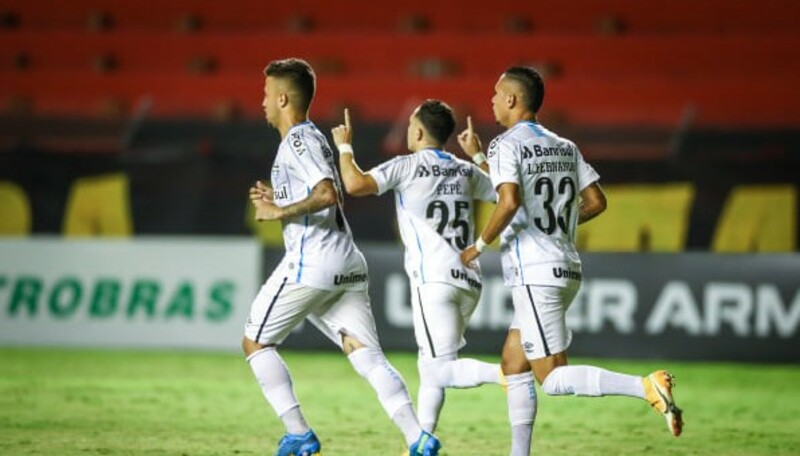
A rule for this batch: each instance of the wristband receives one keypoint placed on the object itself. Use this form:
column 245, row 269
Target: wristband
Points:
column 479, row 158
column 480, row 244
column 345, row 149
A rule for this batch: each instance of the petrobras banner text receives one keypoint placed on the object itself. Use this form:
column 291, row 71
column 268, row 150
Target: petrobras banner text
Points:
column 682, row 306
column 145, row 292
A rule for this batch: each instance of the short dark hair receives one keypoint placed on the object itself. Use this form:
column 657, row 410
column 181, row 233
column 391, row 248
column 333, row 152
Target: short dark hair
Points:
column 437, row 118
column 532, row 86
column 299, row 74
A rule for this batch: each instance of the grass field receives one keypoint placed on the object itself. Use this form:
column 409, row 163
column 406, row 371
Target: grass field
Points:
column 80, row 402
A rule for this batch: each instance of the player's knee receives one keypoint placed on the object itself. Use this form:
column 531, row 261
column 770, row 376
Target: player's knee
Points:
column 365, row 359
column 551, row 385
column 513, row 366
column 350, row 344
column 249, row 346
column 436, row 372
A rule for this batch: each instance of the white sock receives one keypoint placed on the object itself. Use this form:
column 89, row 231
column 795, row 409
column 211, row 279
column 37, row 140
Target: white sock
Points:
column 521, row 412
column 276, row 384
column 448, row 372
column 591, row 381
column 388, row 384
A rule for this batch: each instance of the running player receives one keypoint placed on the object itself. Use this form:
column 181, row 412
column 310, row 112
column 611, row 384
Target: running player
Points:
column 323, row 275
column 434, row 197
column 545, row 189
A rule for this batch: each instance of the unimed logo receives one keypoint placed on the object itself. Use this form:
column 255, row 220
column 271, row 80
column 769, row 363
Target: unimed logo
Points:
column 105, row 298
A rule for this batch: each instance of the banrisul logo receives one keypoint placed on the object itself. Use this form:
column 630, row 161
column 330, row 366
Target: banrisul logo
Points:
column 423, row 171
column 106, row 298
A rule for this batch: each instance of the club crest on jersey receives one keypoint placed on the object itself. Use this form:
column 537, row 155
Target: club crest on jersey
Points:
column 492, row 148
column 296, row 141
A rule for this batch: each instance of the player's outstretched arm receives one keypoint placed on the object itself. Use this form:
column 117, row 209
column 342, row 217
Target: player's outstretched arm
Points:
column 470, row 143
column 356, row 182
column 322, row 195
column 508, row 201
column 593, row 202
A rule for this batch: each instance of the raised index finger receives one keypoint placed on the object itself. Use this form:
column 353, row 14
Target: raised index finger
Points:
column 469, row 125
column 347, row 118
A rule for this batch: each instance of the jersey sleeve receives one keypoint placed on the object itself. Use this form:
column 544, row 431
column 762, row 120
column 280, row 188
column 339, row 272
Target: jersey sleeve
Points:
column 586, row 174
column 503, row 163
column 482, row 188
column 393, row 173
column 307, row 157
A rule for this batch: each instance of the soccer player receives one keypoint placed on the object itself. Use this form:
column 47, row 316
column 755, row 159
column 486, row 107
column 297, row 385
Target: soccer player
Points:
column 434, row 198
column 323, row 275
column 545, row 189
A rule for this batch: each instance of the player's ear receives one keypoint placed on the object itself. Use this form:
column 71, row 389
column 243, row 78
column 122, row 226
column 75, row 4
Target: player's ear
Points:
column 283, row 99
column 419, row 134
column 511, row 100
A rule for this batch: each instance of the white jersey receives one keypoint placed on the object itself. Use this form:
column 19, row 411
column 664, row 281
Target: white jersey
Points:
column 434, row 194
column 320, row 251
column 538, row 246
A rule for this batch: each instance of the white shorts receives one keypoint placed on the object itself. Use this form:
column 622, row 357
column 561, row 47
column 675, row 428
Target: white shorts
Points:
column 540, row 316
column 279, row 307
column 441, row 313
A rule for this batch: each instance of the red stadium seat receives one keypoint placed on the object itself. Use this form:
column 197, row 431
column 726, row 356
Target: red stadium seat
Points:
column 567, row 16
column 385, row 54
column 766, row 102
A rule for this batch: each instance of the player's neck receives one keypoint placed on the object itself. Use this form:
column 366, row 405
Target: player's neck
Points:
column 427, row 145
column 517, row 117
column 290, row 120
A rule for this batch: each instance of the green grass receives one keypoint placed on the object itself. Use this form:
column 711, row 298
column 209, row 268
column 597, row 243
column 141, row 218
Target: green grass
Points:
column 82, row 402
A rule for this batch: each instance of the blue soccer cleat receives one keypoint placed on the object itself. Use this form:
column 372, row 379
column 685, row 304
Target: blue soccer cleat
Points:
column 299, row 445
column 426, row 445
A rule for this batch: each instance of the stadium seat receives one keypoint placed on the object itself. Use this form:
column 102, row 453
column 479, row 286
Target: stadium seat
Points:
column 768, row 101
column 567, row 56
column 568, row 16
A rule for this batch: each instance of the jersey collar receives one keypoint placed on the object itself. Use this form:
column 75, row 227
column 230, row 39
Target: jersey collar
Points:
column 440, row 153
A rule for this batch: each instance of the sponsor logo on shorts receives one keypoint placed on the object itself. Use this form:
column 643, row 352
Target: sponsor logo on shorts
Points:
column 341, row 279
column 460, row 274
column 528, row 347
column 566, row 274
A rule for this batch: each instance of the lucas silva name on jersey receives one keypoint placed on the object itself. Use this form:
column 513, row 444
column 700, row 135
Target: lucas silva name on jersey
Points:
column 341, row 279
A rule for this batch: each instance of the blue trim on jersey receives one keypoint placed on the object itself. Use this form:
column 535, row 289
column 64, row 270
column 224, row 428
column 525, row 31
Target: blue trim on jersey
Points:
column 419, row 244
column 302, row 243
column 519, row 260
column 439, row 153
column 535, row 127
